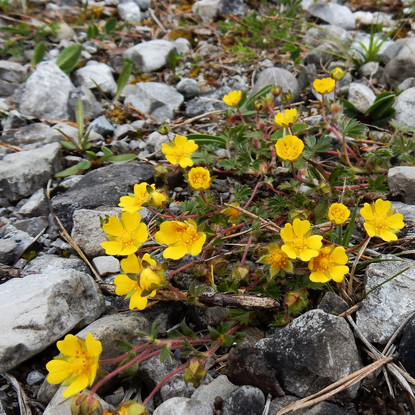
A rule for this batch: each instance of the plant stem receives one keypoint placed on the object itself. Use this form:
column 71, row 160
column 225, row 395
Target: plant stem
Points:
column 356, row 261
column 300, row 179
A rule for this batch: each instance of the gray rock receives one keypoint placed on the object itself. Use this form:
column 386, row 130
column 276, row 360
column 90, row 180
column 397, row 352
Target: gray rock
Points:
column 32, row 226
column 20, row 239
column 183, row 406
column 406, row 347
column 277, row 76
column 34, row 378
column 100, row 187
column 36, row 205
column 402, row 65
column 96, row 73
column 219, row 387
column 323, row 408
column 189, row 88
column 310, row 353
column 154, row 142
column 209, row 101
column 45, row 93
column 235, row 7
column 247, row 400
column 64, row 32
column 106, row 265
column 207, row 9
column 150, row 56
column 332, row 303
column 402, row 180
column 43, row 264
column 92, row 108
column 361, row 96
column 334, row 14
column 102, row 126
column 384, row 309
column 406, row 84
column 369, row 18
column 155, row 98
column 124, row 130
column 8, row 247
column 62, row 406
column 50, row 305
column 405, row 107
column 182, row 45
column 143, row 4
column 14, row 120
column 87, row 231
column 12, row 72
column 370, row 69
column 129, row 11
column 22, row 173
column 34, row 133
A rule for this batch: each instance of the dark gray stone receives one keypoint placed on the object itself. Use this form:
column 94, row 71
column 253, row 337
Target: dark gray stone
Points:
column 209, row 101
column 247, row 400
column 101, row 187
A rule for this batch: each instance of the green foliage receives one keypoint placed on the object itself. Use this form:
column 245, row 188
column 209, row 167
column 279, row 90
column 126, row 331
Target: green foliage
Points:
column 38, row 54
column 68, row 58
column 123, row 78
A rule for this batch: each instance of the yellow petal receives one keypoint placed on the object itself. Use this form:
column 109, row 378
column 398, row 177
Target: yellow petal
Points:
column 395, row 221
column 366, row 212
column 78, row 385
column 314, row 241
column 128, row 249
column 112, row 247
column 141, row 234
column 318, row 276
column 124, row 284
column 387, row 235
column 287, row 232
column 59, row 370
column 138, row 302
column 94, row 347
column 339, row 256
column 382, row 207
column 69, row 346
column 131, row 264
column 150, row 261
column 131, row 220
column 307, row 254
column 338, row 272
column 301, row 227
column 186, row 162
column 167, row 234
column 113, row 227
column 196, row 248
column 175, row 252
column 370, row 229
column 290, row 251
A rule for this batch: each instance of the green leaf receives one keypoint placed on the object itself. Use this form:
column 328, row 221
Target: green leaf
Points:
column 123, row 78
column 248, row 104
column 165, row 353
column 186, row 330
column 79, row 116
column 68, row 145
column 38, row 54
column 381, row 106
column 110, row 25
column 83, row 165
column 91, row 155
column 349, row 109
column 172, row 60
column 124, row 346
column 68, row 59
column 122, row 158
column 92, row 31
column 208, row 139
column 106, row 151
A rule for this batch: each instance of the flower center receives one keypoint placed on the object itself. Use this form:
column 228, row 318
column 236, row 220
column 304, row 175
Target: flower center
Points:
column 126, row 238
column 380, row 222
column 81, row 363
column 278, row 259
column 323, row 263
column 299, row 243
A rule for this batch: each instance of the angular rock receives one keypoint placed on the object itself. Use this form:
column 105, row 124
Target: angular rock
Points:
column 143, row 4
column 402, row 180
column 129, row 11
column 277, row 76
column 334, row 14
column 361, row 96
column 182, row 45
column 385, row 308
column 313, row 351
column 100, row 187
column 106, row 265
column 32, row 226
column 209, row 101
column 14, row 120
column 188, row 87
column 369, row 18
column 153, row 98
column 45, row 93
column 183, row 406
column 24, row 172
column 247, row 366
column 87, row 231
column 405, row 107
column 220, row 387
column 332, row 303
column 36, row 205
column 49, row 306
column 12, row 72
column 92, row 108
column 150, row 56
column 102, row 126
column 246, row 400
column 96, row 73
column 43, row 264
column 12, row 237
column 34, row 133
column 235, row 7
column 207, row 9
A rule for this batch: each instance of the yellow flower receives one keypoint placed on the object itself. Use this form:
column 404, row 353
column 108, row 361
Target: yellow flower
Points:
column 128, row 408
column 133, row 202
column 233, row 98
column 199, row 178
column 277, row 259
column 329, row 264
column 324, row 86
column 289, row 117
column 77, row 366
column 338, row 213
column 233, row 213
column 182, row 237
column 289, row 147
column 156, row 197
column 180, row 151
column 381, row 220
column 141, row 280
column 125, row 236
column 337, row 74
column 297, row 240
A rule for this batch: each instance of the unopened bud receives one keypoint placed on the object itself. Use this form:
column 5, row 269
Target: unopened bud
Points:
column 276, row 90
column 164, row 129
column 259, row 105
column 286, row 96
column 337, row 74
column 85, row 404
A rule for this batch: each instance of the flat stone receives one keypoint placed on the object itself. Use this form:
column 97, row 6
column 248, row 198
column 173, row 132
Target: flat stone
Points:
column 129, row 11
column 96, row 73
column 183, row 406
column 24, row 172
column 106, row 265
column 247, row 400
column 361, row 96
column 207, row 9
column 405, row 107
column 48, row 306
column 36, row 205
column 334, row 14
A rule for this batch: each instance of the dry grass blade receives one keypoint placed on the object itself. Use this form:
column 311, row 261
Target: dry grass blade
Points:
column 74, row 245
column 335, row 387
column 21, row 396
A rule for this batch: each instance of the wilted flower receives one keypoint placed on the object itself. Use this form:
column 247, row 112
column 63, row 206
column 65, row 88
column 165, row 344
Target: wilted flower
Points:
column 337, row 74
column 297, row 240
column 180, row 151
column 338, row 213
column 199, row 178
column 141, row 280
column 289, row 147
column 125, row 236
column 233, row 98
column 287, row 118
column 329, row 264
column 324, row 86
column 77, row 365
column 277, row 259
column 181, row 237
column 381, row 220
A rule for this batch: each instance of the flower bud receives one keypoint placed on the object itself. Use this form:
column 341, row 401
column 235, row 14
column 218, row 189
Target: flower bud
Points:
column 85, row 404
column 287, row 96
column 164, row 129
column 337, row 74
column 276, row 90
column 259, row 105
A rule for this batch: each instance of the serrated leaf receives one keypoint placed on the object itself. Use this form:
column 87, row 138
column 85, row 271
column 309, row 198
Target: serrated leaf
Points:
column 38, row 54
column 122, row 158
column 214, row 334
column 123, row 78
column 68, row 59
